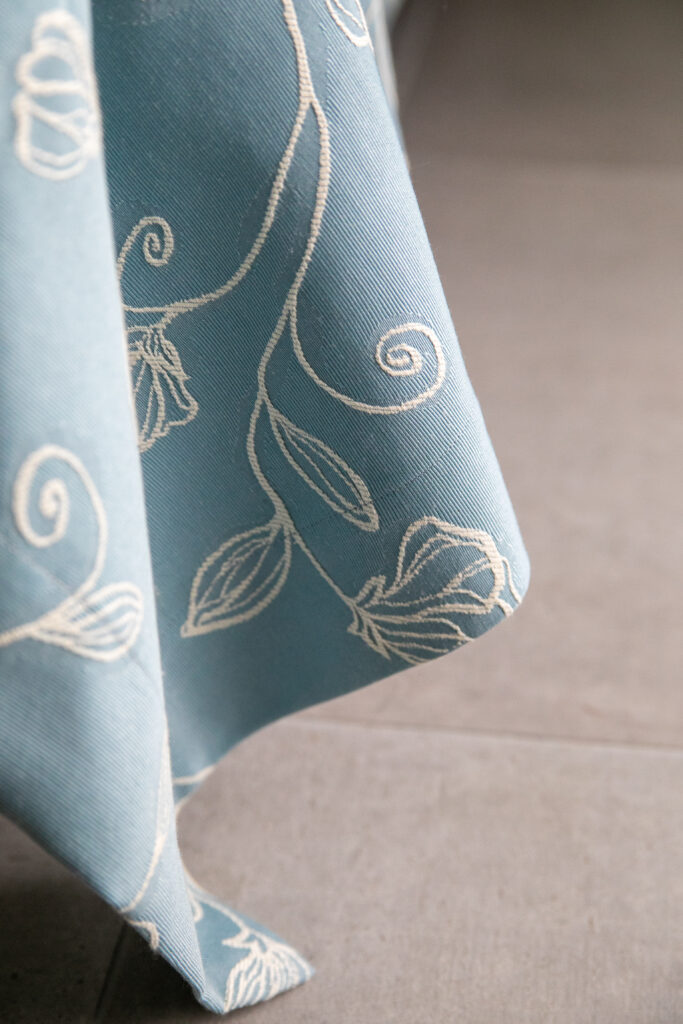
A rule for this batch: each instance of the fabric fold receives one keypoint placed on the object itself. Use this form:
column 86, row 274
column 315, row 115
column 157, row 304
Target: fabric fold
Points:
column 244, row 470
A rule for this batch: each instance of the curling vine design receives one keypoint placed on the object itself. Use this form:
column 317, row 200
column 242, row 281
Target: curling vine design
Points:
column 411, row 618
column 102, row 624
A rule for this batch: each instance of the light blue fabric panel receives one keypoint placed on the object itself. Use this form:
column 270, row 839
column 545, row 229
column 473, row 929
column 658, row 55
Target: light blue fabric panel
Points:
column 379, row 17
column 263, row 483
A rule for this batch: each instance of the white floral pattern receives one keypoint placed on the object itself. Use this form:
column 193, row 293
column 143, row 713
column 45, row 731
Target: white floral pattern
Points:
column 267, row 965
column 248, row 571
column 325, row 472
column 159, row 381
column 162, row 399
column 240, row 579
column 444, row 573
column 57, row 116
column 102, row 624
column 352, row 22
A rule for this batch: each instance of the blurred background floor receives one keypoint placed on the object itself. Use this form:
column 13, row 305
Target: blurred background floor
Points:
column 498, row 836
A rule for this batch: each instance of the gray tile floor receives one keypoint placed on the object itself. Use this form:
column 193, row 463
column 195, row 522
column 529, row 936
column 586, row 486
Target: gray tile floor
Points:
column 496, row 838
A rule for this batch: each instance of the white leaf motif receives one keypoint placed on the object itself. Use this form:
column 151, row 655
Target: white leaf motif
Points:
column 455, row 566
column 326, row 473
column 351, row 22
column 162, row 399
column 443, row 572
column 103, row 626
column 57, row 115
column 268, row 968
column 239, row 579
column 260, row 965
column 414, row 640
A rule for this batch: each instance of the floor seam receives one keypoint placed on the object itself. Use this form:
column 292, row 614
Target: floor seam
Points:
column 111, row 976
column 507, row 736
column 420, row 158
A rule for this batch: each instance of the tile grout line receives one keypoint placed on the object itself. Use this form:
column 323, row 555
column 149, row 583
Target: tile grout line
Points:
column 110, row 976
column 530, row 161
column 509, row 736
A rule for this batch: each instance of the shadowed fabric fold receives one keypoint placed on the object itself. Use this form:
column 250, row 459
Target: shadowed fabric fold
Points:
column 243, row 469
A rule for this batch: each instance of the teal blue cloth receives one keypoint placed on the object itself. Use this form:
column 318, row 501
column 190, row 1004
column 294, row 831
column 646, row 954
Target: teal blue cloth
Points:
column 243, row 469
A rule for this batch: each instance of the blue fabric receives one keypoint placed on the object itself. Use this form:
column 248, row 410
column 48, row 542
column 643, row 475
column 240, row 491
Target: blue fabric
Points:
column 263, row 484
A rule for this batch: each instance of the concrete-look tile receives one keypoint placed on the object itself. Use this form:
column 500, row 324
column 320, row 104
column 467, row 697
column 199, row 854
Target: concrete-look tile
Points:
column 567, row 81
column 439, row 877
column 56, row 937
column 143, row 989
column 564, row 285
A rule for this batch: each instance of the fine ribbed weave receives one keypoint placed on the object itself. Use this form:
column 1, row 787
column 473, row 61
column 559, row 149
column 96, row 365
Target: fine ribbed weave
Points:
column 243, row 469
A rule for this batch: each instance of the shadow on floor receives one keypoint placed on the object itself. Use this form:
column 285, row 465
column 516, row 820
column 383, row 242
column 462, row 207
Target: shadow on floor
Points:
column 150, row 991
column 55, row 942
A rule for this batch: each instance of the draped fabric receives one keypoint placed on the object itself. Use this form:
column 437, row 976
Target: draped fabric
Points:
column 242, row 469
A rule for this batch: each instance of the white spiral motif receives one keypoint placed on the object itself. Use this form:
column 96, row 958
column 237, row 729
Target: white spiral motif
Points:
column 157, row 244
column 397, row 360
column 400, row 360
column 158, row 251
column 53, row 504
column 100, row 624
column 53, row 499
